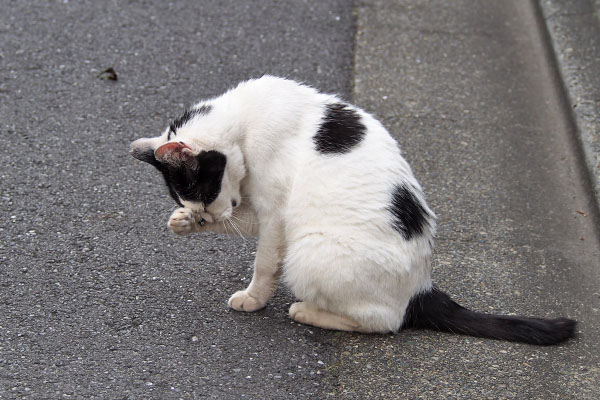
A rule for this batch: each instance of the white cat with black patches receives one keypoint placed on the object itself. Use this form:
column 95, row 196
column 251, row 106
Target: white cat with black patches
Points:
column 336, row 208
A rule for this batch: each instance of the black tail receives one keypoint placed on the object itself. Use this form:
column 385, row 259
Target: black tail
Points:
column 435, row 310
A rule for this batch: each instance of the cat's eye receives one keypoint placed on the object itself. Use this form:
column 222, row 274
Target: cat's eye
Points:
column 234, row 203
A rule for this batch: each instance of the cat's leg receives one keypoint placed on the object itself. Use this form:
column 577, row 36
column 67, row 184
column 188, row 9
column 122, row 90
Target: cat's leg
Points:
column 267, row 270
column 306, row 314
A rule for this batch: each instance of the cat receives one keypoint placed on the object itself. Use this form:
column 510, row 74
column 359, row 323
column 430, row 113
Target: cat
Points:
column 336, row 208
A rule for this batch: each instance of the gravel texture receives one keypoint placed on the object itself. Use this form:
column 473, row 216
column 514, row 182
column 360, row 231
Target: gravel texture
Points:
column 97, row 298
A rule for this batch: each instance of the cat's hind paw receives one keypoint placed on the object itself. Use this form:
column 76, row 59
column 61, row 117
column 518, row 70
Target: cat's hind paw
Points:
column 305, row 314
column 242, row 301
column 182, row 221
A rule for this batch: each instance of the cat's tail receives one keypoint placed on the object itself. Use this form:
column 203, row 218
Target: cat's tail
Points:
column 435, row 310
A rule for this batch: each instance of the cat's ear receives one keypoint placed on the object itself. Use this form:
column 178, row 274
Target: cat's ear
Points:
column 143, row 150
column 175, row 153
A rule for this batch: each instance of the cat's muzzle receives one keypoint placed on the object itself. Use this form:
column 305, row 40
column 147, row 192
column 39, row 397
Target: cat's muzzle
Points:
column 199, row 220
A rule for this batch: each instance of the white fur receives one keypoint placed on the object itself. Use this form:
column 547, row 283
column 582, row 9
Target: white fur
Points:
column 324, row 218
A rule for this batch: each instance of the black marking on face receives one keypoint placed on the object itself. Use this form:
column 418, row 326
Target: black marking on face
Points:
column 199, row 181
column 171, row 187
column 340, row 130
column 409, row 215
column 186, row 117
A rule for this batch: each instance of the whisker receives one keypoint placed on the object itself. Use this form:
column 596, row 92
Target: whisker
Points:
column 225, row 226
column 230, row 224
column 237, row 229
column 237, row 217
column 240, row 231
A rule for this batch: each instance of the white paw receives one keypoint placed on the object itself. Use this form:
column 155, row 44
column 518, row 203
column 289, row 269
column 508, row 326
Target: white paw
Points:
column 182, row 221
column 242, row 301
column 297, row 310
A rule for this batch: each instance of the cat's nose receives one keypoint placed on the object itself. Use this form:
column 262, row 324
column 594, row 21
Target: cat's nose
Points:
column 234, row 203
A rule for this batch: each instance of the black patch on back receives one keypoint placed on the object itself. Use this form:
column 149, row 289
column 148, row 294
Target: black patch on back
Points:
column 409, row 216
column 340, row 131
column 187, row 115
column 199, row 181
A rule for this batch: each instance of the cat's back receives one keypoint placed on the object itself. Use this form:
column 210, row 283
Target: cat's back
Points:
column 347, row 175
column 339, row 166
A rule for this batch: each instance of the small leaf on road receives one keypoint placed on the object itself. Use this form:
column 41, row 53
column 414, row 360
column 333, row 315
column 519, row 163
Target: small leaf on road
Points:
column 108, row 74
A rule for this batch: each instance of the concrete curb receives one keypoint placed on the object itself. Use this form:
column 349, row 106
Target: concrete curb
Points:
column 574, row 32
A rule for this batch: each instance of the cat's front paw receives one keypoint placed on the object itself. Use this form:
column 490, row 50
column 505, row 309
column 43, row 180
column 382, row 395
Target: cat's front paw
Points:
column 242, row 301
column 182, row 221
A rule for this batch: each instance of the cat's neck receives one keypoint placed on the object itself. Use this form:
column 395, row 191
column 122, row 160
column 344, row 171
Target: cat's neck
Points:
column 270, row 110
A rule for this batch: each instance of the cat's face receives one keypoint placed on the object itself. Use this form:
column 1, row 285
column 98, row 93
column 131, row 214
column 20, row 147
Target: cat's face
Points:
column 207, row 181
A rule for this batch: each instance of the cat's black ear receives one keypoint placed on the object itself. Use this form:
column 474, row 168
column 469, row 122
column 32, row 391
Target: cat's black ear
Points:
column 143, row 150
column 145, row 155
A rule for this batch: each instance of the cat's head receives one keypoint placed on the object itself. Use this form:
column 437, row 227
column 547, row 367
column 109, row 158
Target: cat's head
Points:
column 205, row 179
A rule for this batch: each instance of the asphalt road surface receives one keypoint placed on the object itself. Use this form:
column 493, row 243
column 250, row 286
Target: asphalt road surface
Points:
column 99, row 300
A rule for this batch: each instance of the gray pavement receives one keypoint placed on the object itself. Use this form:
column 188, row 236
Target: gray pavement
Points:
column 469, row 89
column 574, row 32
column 99, row 300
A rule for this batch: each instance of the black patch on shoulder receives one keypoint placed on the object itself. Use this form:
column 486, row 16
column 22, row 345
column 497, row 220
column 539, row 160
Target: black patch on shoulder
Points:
column 340, row 131
column 199, row 181
column 187, row 115
column 409, row 216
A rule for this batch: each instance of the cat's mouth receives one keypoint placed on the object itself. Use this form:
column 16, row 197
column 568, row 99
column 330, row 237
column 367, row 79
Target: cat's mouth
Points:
column 203, row 217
